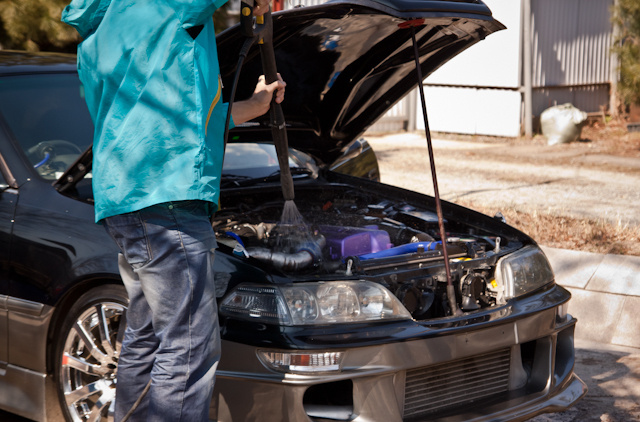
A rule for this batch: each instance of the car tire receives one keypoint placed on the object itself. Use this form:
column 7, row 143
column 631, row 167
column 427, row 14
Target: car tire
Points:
column 86, row 354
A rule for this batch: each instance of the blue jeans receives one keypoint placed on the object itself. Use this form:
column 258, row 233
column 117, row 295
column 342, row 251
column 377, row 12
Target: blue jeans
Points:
column 172, row 334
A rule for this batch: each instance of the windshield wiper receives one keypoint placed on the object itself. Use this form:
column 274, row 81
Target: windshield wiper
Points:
column 76, row 172
column 232, row 180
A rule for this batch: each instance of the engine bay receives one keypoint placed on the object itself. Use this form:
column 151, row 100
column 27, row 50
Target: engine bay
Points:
column 351, row 235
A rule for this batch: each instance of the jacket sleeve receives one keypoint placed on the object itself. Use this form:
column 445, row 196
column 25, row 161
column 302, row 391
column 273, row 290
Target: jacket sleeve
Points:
column 195, row 12
column 85, row 15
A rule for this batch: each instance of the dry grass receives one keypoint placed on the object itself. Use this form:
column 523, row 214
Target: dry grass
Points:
column 564, row 232
column 612, row 138
column 603, row 138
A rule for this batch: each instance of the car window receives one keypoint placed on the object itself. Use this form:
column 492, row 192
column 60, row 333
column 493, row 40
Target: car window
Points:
column 48, row 117
column 244, row 156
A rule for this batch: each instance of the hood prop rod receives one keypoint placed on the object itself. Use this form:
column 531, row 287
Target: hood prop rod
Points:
column 451, row 294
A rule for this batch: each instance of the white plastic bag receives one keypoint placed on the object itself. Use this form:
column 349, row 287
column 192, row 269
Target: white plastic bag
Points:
column 562, row 123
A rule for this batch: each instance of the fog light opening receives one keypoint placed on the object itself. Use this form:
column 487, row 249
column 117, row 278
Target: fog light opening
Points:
column 565, row 355
column 332, row 400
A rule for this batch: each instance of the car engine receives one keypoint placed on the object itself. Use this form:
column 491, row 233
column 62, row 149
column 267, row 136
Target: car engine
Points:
column 351, row 235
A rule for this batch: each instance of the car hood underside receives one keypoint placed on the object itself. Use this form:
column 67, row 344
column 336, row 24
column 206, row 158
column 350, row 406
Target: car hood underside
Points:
column 347, row 63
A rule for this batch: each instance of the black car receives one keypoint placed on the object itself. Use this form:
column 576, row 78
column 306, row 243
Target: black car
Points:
column 352, row 321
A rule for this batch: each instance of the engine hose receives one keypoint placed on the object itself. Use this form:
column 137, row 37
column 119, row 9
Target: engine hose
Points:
column 289, row 262
column 244, row 51
column 308, row 253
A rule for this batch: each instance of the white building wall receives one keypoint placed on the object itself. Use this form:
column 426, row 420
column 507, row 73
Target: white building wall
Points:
column 471, row 111
column 494, row 62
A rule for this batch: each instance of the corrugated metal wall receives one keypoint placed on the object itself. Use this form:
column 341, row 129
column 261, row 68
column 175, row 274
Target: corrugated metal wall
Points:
column 571, row 42
column 571, row 57
column 290, row 4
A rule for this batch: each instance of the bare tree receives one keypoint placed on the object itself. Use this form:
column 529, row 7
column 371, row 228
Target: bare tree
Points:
column 626, row 17
column 34, row 25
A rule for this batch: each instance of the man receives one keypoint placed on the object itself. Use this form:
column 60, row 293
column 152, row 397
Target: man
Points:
column 151, row 81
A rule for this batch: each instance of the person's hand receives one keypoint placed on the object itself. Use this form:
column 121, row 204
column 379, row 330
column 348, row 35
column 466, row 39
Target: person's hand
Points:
column 264, row 93
column 260, row 101
column 260, row 7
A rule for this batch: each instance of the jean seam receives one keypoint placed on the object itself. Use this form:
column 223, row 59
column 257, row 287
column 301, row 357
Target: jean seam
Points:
column 174, row 214
column 147, row 245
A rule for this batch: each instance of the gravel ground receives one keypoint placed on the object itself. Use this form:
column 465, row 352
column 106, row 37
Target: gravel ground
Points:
column 574, row 180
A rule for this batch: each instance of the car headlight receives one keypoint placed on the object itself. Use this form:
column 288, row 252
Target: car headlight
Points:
column 523, row 271
column 314, row 303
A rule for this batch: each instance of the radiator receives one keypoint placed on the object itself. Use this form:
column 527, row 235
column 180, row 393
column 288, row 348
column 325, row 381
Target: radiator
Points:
column 461, row 382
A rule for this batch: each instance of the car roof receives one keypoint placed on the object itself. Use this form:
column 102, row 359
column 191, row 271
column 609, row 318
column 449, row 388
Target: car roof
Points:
column 21, row 62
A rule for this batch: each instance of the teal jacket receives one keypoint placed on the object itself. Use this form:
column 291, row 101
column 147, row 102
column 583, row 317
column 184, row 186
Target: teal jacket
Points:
column 154, row 94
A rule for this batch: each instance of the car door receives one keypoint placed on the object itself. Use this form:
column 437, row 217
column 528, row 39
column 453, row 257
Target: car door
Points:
column 46, row 245
column 47, row 127
column 8, row 201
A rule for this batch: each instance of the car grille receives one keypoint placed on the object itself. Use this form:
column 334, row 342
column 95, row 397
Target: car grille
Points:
column 439, row 387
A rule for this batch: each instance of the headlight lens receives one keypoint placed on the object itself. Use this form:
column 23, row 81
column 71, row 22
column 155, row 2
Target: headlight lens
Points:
column 314, row 303
column 524, row 271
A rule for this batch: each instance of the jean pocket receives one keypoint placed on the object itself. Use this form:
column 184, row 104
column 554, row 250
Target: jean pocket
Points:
column 130, row 234
column 196, row 207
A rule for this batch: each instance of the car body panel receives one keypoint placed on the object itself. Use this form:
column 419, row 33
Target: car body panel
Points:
column 376, row 371
column 25, row 392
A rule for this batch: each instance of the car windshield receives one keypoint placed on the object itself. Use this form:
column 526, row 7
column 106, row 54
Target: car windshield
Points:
column 48, row 117
column 259, row 160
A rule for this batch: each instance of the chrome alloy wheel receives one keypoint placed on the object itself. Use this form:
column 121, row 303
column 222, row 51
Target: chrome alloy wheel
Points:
column 89, row 358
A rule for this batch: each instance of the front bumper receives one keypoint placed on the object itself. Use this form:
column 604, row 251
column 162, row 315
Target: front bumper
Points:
column 509, row 369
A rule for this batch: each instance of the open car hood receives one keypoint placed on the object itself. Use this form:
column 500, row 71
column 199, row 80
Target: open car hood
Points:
column 347, row 62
